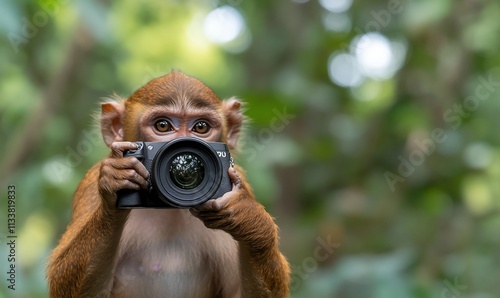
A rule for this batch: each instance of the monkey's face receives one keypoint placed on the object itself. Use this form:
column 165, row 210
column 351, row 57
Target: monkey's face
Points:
column 167, row 122
column 171, row 107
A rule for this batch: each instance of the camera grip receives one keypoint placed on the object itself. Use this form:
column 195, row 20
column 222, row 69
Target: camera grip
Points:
column 225, row 185
column 127, row 198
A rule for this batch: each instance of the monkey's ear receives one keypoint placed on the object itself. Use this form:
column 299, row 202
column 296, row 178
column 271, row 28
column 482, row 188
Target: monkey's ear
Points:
column 232, row 109
column 112, row 114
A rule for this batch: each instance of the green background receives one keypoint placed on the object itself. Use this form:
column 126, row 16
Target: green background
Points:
column 400, row 172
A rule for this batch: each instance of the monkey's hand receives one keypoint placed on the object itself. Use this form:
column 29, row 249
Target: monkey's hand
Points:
column 265, row 272
column 239, row 214
column 118, row 172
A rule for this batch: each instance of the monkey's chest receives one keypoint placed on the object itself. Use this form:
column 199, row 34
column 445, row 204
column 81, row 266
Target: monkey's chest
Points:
column 171, row 272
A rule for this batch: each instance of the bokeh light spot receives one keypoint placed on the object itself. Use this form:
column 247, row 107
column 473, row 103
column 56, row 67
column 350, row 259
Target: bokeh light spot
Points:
column 374, row 55
column 337, row 22
column 223, row 24
column 336, row 5
column 343, row 70
column 478, row 155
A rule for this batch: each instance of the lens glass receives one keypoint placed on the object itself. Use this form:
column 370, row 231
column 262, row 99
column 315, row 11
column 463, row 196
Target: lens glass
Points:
column 187, row 170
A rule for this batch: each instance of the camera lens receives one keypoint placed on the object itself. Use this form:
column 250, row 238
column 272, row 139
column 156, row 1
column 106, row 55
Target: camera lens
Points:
column 187, row 170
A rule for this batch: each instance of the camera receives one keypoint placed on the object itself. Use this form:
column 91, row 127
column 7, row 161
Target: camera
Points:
column 183, row 173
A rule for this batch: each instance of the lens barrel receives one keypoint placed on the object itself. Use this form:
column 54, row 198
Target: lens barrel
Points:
column 186, row 172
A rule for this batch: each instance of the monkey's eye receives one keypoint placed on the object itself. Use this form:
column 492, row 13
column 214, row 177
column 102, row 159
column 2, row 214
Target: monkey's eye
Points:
column 163, row 125
column 201, row 127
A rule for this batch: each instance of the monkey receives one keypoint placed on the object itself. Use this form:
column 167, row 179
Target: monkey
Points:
column 225, row 247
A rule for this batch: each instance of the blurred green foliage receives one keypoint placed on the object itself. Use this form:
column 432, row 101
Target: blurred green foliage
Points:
column 359, row 166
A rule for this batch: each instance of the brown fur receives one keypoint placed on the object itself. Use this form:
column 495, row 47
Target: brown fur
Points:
column 229, row 248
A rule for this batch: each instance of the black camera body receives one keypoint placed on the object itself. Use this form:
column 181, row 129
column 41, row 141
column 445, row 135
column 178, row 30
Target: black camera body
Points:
column 183, row 173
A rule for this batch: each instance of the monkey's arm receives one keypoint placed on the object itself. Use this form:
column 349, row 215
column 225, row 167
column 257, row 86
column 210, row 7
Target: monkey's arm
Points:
column 82, row 265
column 264, row 270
